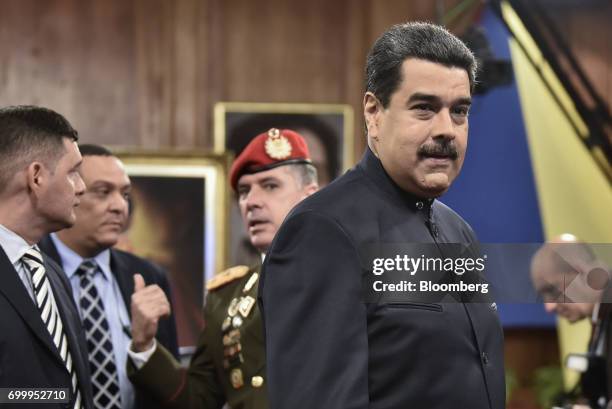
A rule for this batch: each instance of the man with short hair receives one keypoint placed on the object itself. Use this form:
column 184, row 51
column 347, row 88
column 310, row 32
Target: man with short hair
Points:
column 42, row 344
column 326, row 345
column 102, row 278
column 270, row 176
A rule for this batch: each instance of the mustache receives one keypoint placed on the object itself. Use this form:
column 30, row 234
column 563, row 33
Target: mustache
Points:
column 442, row 148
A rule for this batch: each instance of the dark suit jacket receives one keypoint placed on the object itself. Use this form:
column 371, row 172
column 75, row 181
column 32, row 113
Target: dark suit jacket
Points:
column 28, row 357
column 328, row 349
column 597, row 380
column 124, row 265
column 608, row 345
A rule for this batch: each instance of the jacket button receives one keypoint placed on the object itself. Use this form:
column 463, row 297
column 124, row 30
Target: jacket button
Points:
column 419, row 205
column 485, row 358
column 257, row 381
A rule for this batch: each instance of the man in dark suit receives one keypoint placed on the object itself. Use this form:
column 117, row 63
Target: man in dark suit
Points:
column 101, row 218
column 575, row 285
column 327, row 344
column 42, row 344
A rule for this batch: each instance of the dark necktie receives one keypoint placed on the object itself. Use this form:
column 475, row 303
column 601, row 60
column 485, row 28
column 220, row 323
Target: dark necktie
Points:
column 104, row 377
column 45, row 301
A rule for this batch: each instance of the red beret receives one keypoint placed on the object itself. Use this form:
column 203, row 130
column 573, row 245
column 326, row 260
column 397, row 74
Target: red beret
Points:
column 268, row 150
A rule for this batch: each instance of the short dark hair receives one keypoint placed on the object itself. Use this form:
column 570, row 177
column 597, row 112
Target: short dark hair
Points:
column 89, row 149
column 418, row 40
column 29, row 133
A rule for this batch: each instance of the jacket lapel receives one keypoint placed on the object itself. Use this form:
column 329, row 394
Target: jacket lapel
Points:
column 123, row 275
column 70, row 319
column 14, row 291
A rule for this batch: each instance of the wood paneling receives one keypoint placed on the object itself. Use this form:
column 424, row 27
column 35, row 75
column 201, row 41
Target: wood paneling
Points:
column 148, row 72
column 74, row 57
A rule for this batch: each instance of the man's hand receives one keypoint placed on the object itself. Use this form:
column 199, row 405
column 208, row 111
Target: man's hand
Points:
column 149, row 304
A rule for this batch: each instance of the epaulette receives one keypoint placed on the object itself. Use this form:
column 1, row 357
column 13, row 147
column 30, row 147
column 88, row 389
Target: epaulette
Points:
column 226, row 276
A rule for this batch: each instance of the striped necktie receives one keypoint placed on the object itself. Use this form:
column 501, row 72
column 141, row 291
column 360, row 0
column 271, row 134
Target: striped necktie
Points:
column 45, row 301
column 104, row 376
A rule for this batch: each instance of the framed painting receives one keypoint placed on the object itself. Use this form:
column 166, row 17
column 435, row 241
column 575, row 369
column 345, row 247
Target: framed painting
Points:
column 178, row 218
column 327, row 128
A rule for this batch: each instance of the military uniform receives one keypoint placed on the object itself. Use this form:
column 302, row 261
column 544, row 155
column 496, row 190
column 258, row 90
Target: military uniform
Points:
column 229, row 362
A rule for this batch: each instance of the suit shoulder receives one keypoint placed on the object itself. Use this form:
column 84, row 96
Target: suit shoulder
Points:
column 226, row 277
column 335, row 198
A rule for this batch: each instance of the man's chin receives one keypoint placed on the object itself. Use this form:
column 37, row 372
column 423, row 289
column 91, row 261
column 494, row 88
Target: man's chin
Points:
column 64, row 223
column 261, row 242
column 108, row 240
column 433, row 191
column 435, row 184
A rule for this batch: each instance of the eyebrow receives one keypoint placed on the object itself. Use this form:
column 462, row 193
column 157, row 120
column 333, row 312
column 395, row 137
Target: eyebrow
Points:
column 77, row 166
column 419, row 96
column 269, row 179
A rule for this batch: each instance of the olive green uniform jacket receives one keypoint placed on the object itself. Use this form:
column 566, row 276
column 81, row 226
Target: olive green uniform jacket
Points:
column 229, row 363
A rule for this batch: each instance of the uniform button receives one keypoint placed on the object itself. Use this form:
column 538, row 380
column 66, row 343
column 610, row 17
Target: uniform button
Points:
column 419, row 205
column 257, row 381
column 485, row 358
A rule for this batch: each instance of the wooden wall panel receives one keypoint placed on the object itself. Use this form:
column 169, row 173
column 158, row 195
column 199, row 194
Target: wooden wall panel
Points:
column 154, row 87
column 148, row 72
column 291, row 51
column 283, row 51
column 71, row 56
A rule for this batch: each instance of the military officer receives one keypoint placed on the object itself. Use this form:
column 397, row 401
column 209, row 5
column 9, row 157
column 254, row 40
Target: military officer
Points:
column 270, row 176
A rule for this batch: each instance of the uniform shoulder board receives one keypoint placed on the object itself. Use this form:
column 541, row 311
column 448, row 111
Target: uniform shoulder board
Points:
column 226, row 276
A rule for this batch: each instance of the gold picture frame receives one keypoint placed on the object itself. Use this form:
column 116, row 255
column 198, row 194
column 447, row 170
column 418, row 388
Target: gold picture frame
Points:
column 327, row 128
column 178, row 220
column 335, row 121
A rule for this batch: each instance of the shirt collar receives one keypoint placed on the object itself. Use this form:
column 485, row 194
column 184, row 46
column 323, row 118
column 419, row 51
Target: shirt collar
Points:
column 71, row 260
column 373, row 168
column 13, row 244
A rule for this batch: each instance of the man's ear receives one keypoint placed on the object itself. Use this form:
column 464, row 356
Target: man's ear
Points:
column 37, row 175
column 310, row 189
column 372, row 108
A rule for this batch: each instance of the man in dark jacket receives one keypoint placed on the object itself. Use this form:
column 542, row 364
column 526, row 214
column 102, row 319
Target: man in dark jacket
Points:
column 102, row 278
column 327, row 344
column 42, row 344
